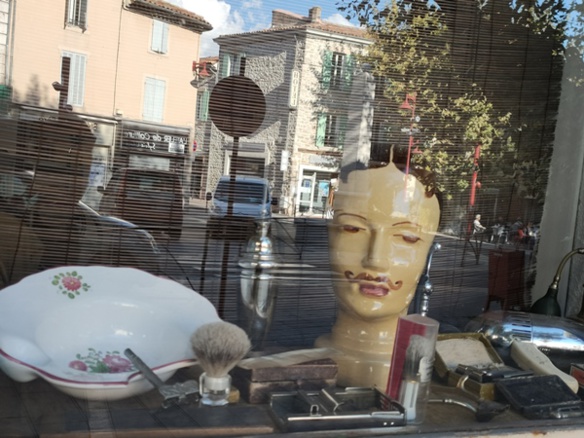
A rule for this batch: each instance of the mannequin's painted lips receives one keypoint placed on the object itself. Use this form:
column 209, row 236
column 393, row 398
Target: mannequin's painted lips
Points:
column 371, row 286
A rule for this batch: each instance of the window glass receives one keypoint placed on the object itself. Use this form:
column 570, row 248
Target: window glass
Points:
column 407, row 157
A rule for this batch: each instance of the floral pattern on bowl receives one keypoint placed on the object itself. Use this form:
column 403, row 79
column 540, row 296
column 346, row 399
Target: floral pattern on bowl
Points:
column 70, row 283
column 75, row 344
column 98, row 362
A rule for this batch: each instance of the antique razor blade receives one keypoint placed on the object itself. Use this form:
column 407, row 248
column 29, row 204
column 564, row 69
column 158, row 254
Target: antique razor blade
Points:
column 174, row 394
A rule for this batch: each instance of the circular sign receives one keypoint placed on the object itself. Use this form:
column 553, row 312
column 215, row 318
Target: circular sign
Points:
column 237, row 106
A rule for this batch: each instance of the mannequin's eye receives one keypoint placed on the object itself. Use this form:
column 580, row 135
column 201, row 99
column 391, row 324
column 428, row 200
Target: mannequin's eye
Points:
column 409, row 238
column 350, row 229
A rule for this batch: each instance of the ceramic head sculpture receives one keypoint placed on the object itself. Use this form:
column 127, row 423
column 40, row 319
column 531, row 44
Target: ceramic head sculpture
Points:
column 383, row 227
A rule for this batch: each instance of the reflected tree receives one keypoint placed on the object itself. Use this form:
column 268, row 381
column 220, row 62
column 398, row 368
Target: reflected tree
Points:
column 443, row 52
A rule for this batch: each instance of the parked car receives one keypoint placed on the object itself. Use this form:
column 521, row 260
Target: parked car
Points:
column 150, row 198
column 70, row 234
column 250, row 198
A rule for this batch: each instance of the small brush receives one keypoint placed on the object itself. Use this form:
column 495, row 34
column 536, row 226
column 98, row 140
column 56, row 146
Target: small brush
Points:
column 219, row 346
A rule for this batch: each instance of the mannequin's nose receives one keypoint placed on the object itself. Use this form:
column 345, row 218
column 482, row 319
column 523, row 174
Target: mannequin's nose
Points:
column 377, row 256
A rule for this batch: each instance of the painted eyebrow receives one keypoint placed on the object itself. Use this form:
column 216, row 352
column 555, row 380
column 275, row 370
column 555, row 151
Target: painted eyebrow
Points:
column 393, row 225
column 406, row 223
column 354, row 215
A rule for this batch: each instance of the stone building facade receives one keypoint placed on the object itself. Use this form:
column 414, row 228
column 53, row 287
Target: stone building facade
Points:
column 305, row 68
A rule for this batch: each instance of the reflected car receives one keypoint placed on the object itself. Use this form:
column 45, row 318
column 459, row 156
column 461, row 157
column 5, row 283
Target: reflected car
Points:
column 76, row 235
column 150, row 198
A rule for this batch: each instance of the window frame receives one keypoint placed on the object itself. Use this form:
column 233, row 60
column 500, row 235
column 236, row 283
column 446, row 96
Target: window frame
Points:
column 76, row 13
column 337, row 70
column 331, row 130
column 153, row 111
column 159, row 37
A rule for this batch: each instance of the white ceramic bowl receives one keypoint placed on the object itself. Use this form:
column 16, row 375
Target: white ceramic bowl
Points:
column 71, row 325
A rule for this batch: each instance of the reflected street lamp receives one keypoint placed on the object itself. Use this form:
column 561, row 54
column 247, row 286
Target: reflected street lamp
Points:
column 410, row 104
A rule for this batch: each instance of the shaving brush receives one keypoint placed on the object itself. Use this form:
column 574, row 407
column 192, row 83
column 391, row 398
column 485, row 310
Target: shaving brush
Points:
column 218, row 346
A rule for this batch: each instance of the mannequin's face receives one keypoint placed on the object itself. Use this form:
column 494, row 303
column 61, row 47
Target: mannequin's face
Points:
column 383, row 227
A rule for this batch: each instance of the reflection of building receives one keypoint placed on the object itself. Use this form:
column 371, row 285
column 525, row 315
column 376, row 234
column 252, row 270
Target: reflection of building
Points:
column 119, row 64
column 305, row 68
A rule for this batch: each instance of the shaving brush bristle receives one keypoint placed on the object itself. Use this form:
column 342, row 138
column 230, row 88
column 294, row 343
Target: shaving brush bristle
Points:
column 219, row 346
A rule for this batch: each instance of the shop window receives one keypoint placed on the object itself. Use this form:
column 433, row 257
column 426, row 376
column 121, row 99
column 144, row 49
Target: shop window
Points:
column 76, row 91
column 159, row 43
column 77, row 13
column 154, row 91
column 337, row 70
column 330, row 130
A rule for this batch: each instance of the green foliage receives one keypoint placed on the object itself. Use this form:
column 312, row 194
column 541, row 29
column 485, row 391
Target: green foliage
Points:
column 411, row 50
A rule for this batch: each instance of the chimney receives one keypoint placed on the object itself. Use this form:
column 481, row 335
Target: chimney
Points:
column 314, row 14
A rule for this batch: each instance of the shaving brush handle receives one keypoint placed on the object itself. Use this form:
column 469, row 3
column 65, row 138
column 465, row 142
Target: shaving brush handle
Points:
column 214, row 391
column 217, row 383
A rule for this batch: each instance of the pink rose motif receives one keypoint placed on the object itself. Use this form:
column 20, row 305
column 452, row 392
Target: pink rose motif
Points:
column 78, row 365
column 117, row 364
column 71, row 283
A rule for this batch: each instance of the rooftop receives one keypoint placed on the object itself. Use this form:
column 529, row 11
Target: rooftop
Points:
column 288, row 21
column 170, row 13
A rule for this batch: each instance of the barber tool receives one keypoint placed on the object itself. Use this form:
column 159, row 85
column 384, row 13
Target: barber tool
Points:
column 491, row 373
column 173, row 394
column 219, row 346
column 328, row 409
column 528, row 357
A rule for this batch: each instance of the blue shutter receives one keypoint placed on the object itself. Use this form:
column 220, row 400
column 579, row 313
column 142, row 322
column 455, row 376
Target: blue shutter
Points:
column 326, row 69
column 348, row 68
column 320, row 130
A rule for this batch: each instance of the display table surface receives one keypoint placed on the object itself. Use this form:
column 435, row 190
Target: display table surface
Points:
column 37, row 409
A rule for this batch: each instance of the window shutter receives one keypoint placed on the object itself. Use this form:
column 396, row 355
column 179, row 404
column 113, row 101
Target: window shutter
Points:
column 225, row 65
column 71, row 11
column 164, row 40
column 76, row 78
column 159, row 36
column 320, row 130
column 342, row 131
column 348, row 69
column 83, row 14
column 326, row 69
column 204, row 106
column 154, row 91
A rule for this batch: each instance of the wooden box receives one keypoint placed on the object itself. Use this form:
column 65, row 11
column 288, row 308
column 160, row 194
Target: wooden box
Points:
column 256, row 384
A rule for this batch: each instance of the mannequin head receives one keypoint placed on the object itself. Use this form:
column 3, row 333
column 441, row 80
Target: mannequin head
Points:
column 379, row 238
